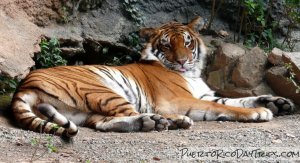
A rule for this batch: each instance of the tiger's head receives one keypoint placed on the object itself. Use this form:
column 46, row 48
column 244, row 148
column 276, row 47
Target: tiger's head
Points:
column 177, row 46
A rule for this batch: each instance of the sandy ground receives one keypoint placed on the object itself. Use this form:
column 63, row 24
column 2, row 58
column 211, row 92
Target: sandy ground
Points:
column 281, row 134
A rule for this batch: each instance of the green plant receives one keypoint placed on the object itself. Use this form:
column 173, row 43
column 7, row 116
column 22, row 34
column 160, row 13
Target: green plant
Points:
column 292, row 14
column 133, row 12
column 65, row 17
column 7, row 84
column 257, row 26
column 257, row 29
column 118, row 61
column 134, row 45
column 50, row 54
column 49, row 146
column 292, row 77
column 133, row 41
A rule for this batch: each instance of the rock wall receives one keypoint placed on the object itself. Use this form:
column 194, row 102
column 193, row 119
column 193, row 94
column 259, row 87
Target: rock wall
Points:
column 233, row 71
column 22, row 23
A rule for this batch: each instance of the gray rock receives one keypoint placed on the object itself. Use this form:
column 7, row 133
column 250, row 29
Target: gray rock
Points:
column 249, row 71
column 18, row 43
column 262, row 89
column 226, row 55
column 277, row 80
column 220, row 70
column 294, row 60
column 236, row 72
column 275, row 56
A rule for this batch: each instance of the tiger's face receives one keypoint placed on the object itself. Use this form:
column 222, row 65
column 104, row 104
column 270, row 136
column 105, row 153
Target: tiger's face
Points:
column 176, row 46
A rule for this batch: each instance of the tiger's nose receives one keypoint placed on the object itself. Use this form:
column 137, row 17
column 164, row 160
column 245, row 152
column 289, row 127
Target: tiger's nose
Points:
column 181, row 61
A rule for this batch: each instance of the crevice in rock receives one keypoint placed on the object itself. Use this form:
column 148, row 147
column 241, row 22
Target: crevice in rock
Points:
column 90, row 51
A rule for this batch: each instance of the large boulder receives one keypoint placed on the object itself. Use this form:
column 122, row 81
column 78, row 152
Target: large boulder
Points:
column 275, row 56
column 18, row 41
column 238, row 72
column 294, row 60
column 280, row 58
column 249, row 71
column 277, row 78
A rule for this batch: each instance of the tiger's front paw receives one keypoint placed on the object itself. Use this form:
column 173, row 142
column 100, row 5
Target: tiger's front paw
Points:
column 154, row 122
column 260, row 115
column 278, row 105
column 180, row 121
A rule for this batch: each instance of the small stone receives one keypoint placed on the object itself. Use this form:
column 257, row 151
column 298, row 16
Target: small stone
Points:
column 275, row 57
column 223, row 33
column 156, row 158
column 277, row 141
column 64, row 155
column 290, row 135
column 19, row 143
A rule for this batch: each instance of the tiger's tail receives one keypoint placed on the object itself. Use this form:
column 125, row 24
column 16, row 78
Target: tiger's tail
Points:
column 52, row 122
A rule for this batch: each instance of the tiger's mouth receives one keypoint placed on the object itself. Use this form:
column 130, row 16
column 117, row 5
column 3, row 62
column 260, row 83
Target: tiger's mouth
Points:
column 182, row 68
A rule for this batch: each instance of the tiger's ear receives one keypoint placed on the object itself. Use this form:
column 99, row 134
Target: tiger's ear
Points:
column 196, row 24
column 147, row 33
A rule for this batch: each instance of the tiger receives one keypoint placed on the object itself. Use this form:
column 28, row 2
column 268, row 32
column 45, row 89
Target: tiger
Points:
column 162, row 91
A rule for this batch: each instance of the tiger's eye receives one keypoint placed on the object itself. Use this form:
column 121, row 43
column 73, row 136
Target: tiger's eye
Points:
column 167, row 46
column 187, row 43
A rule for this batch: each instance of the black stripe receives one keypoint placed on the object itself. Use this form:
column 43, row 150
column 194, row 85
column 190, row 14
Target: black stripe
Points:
column 199, row 49
column 243, row 103
column 204, row 117
column 223, row 101
column 125, row 103
column 73, row 133
column 188, row 112
column 217, row 99
column 29, row 123
column 51, row 118
column 110, row 99
column 18, row 111
column 41, row 126
column 67, row 125
column 18, row 99
column 42, row 90
column 204, row 96
column 180, row 86
column 89, row 107
column 131, row 113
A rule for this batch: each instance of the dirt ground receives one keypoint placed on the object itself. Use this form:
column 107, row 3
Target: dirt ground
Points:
column 166, row 146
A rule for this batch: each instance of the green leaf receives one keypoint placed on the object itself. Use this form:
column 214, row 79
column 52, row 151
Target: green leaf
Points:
column 105, row 50
column 34, row 141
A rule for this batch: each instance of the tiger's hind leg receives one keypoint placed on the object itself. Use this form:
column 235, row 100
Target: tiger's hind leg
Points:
column 32, row 116
column 70, row 129
column 142, row 122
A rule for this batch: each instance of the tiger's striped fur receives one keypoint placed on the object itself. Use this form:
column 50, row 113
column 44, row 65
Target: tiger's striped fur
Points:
column 164, row 90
